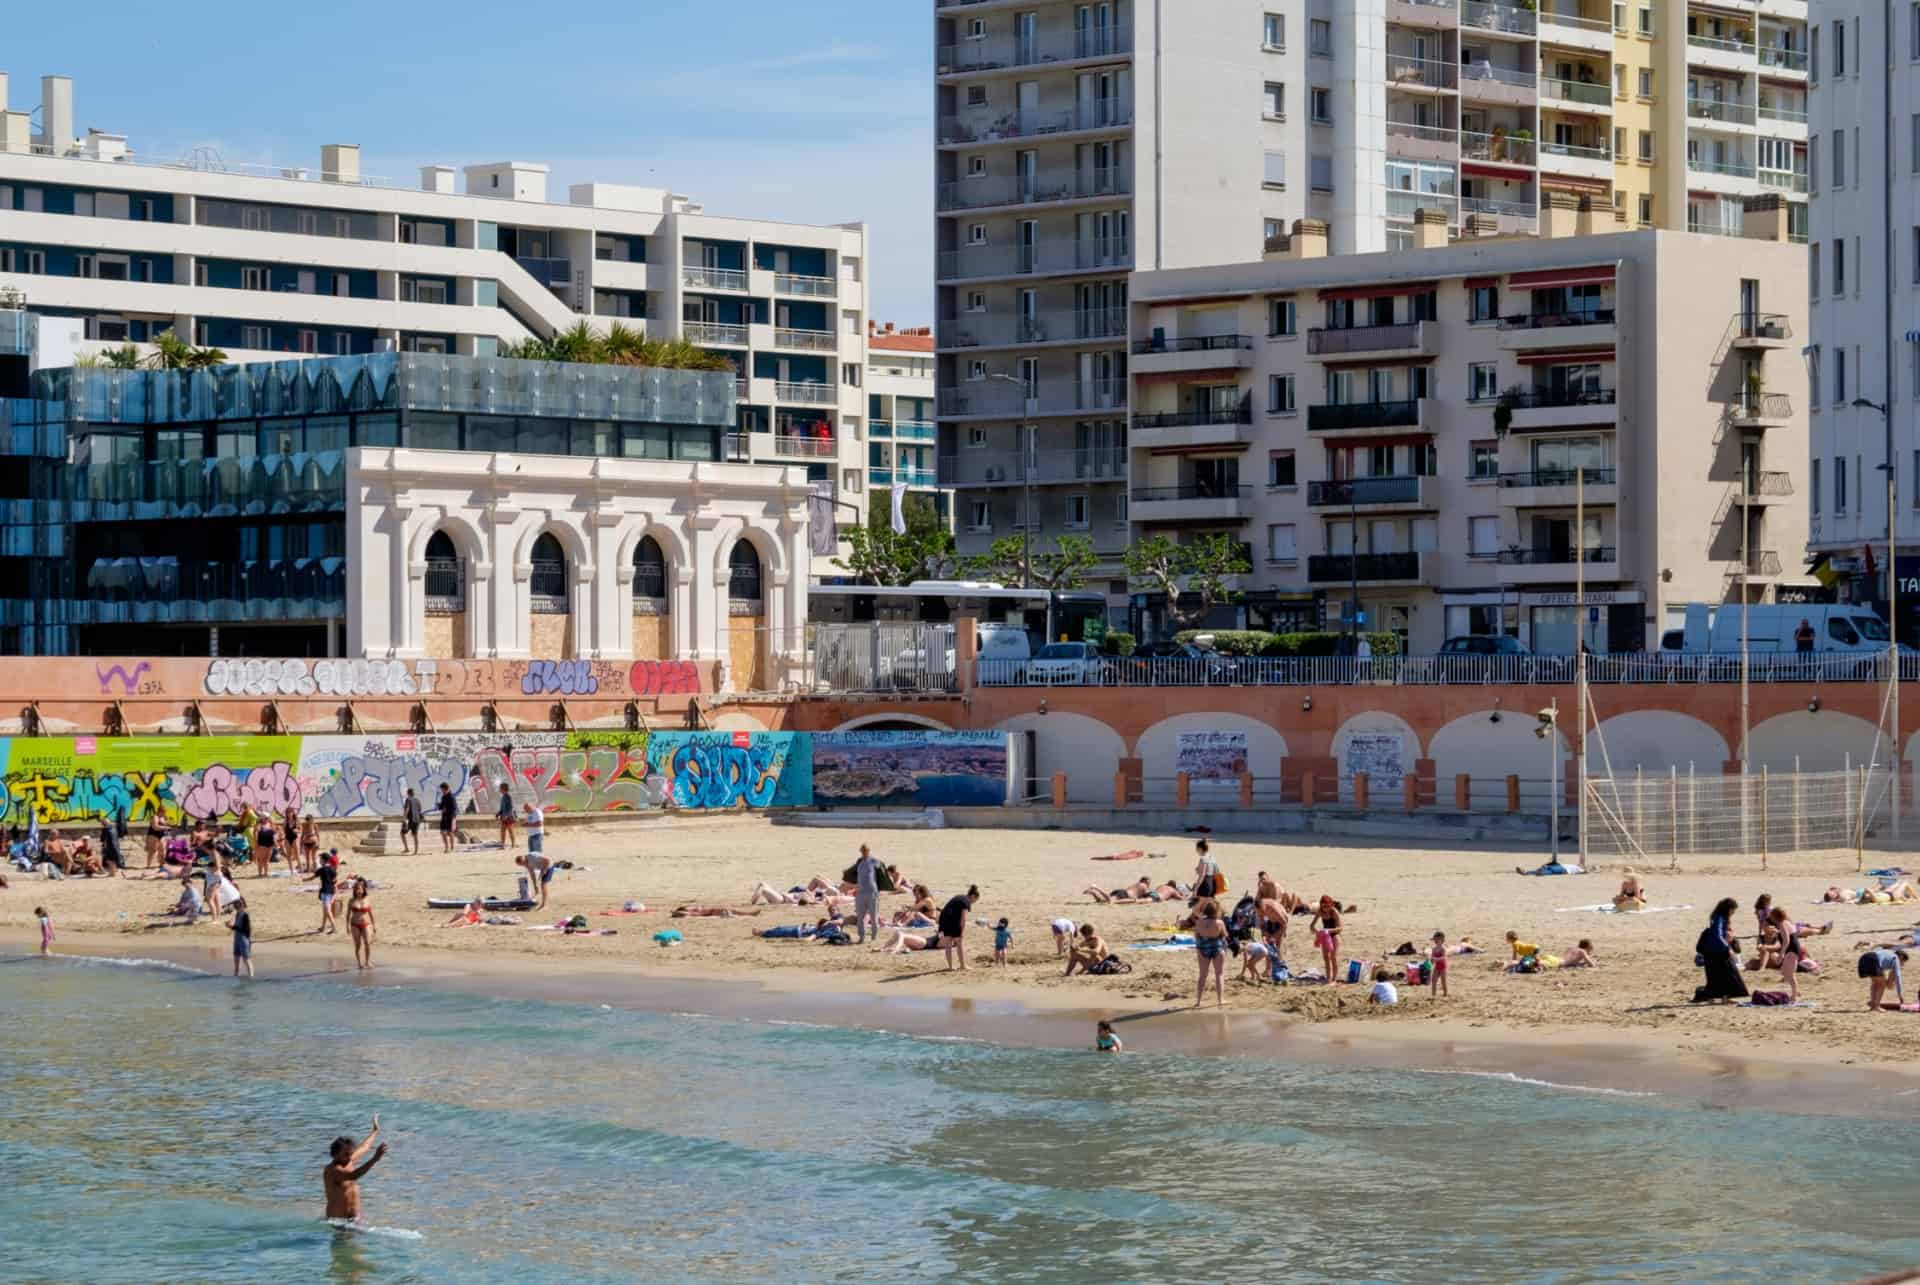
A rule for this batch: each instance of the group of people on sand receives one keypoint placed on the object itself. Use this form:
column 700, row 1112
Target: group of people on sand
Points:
column 1780, row 943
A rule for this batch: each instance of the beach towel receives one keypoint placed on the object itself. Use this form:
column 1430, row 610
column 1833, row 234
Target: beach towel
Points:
column 1888, row 872
column 1134, row 855
column 1609, row 909
column 667, row 936
column 631, row 908
column 1775, row 999
column 1161, row 945
column 1554, row 868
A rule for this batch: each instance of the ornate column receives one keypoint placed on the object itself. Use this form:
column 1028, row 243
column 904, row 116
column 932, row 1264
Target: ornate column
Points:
column 612, row 636
column 509, row 624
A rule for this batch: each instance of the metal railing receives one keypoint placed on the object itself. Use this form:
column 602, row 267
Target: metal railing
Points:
column 1527, row 209
column 1405, row 129
column 1762, row 406
column 548, row 272
column 1557, row 556
column 806, row 447
column 1551, row 398
column 1433, row 73
column 1720, row 110
column 807, row 340
column 1763, row 325
column 1191, row 343
column 1770, row 485
column 1189, row 491
column 1482, row 73
column 795, row 283
column 1763, row 562
column 1792, row 115
column 1343, row 568
column 980, row 329
column 810, row 394
column 1731, row 169
column 1544, row 320
column 1035, row 189
column 1062, row 255
column 996, row 397
column 1783, row 178
column 994, row 53
column 1785, row 59
column 1496, row 147
column 1352, row 492
column 1095, row 113
column 1011, row 468
column 1498, row 17
column 1340, row 415
column 1197, row 417
column 1742, row 47
column 714, row 332
column 701, row 277
column 1560, row 477
column 1575, row 20
column 914, row 430
column 1576, row 151
column 446, row 587
column 1322, row 341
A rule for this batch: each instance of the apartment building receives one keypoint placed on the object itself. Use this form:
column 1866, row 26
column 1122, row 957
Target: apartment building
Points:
column 901, row 437
column 1863, row 282
column 1076, row 141
column 268, row 263
column 1401, row 433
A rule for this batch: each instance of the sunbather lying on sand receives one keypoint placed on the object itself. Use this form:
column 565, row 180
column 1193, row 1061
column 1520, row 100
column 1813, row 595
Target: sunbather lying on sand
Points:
column 709, row 912
column 1580, row 956
column 817, row 893
column 1141, row 889
column 904, row 941
column 1900, row 891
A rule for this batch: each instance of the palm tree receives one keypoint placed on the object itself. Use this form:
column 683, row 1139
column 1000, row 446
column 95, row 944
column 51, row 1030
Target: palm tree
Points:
column 620, row 346
column 170, row 352
column 124, row 357
column 624, row 346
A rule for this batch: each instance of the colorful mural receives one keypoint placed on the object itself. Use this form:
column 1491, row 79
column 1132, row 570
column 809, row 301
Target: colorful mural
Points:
column 919, row 769
column 68, row 780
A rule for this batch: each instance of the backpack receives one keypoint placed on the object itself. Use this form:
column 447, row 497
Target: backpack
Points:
column 1771, row 999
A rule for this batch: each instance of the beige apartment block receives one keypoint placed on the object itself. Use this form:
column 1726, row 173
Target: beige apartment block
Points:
column 1405, row 429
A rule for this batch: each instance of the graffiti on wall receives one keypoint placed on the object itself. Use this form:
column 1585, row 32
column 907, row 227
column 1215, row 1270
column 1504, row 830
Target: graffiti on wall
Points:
column 256, row 677
column 664, row 678
column 343, row 776
column 596, row 778
column 707, row 770
column 70, row 780
column 130, row 682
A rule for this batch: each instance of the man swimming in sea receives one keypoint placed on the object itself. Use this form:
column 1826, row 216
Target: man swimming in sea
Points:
column 342, row 1181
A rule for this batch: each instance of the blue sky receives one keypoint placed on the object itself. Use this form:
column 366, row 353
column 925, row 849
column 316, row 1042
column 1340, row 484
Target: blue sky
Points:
column 817, row 113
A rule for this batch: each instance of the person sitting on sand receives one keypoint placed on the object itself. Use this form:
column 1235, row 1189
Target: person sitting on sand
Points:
column 470, row 917
column 1523, row 951
column 1088, row 949
column 923, row 901
column 1763, row 906
column 1632, row 895
column 1581, row 956
column 904, row 941
column 54, row 851
column 191, row 905
column 709, row 912
column 907, row 917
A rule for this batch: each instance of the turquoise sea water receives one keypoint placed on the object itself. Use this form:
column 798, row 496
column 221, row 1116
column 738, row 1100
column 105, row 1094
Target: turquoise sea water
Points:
column 165, row 1125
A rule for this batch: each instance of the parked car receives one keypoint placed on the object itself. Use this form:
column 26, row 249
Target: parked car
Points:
column 1074, row 663
column 1170, row 663
column 1482, row 658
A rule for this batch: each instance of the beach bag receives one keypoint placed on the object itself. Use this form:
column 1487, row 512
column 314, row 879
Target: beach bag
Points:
column 1771, row 999
column 1281, row 973
column 1356, row 968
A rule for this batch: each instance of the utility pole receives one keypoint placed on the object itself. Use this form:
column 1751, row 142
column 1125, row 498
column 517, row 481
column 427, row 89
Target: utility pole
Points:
column 1579, row 660
column 1893, row 593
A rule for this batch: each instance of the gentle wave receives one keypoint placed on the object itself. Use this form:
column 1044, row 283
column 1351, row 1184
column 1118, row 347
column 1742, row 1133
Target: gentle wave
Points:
column 1509, row 1077
column 132, row 961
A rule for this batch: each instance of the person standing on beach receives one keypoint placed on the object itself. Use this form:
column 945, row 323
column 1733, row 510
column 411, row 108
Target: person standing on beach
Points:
column 1207, row 879
column 242, row 938
column 360, row 924
column 46, row 930
column 1437, row 957
column 110, row 853
column 1326, row 933
column 1716, row 951
column 1210, row 940
column 329, row 876
column 340, row 1180
column 536, row 824
column 953, row 926
column 156, row 838
column 411, row 815
column 866, row 894
column 507, row 839
column 309, row 845
column 449, row 808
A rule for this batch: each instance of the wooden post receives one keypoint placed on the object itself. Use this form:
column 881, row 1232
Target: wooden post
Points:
column 1410, row 788
column 1362, row 787
column 1513, row 795
column 1763, row 816
column 1463, row 792
column 1673, row 813
column 1307, row 790
column 1860, row 839
column 1182, row 789
column 1799, row 836
column 1246, row 789
column 1060, row 789
column 1119, row 789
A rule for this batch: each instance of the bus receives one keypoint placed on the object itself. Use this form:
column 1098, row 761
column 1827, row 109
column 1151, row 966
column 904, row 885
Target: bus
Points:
column 877, row 638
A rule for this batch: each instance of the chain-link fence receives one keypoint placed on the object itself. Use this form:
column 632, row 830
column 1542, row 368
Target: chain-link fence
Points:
column 1678, row 814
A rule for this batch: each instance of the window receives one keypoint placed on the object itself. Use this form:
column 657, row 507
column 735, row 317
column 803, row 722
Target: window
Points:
column 976, row 167
column 1483, row 302
column 1646, row 211
column 1839, row 265
column 1646, row 82
column 1813, row 52
column 1281, row 318
column 1483, row 461
column 976, row 95
column 1483, row 537
column 253, row 337
column 342, row 343
column 1281, row 546
column 1916, row 254
column 1619, row 80
column 1483, row 382
column 1120, row 512
column 851, row 480
column 1322, row 173
column 1913, row 32
column 1276, row 170
column 1280, row 468
column 1646, row 21
column 1276, row 101
column 1840, row 47
column 1619, row 141
column 253, row 279
column 976, row 301
column 1274, row 35
column 1813, row 164
column 1620, row 17
column 976, row 437
column 1078, row 511
column 1813, row 376
column 1280, row 394
column 1914, row 489
column 1813, row 272
column 309, row 341
column 1839, row 158
column 1646, row 146
column 1320, row 106
column 1913, row 144
column 976, row 370
column 1839, row 376
column 1813, row 491
column 1320, row 37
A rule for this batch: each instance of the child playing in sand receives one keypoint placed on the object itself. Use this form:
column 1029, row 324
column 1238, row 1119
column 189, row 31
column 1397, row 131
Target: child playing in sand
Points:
column 1062, row 936
column 1002, row 938
column 1437, row 986
column 1104, row 1040
column 1383, row 993
column 46, row 930
column 1581, row 956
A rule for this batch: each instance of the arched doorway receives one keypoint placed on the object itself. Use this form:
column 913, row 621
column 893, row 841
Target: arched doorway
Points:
column 550, row 630
column 445, row 634
column 652, row 602
column 746, row 617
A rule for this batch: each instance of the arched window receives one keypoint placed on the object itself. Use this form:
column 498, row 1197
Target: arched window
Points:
column 649, row 569
column 743, row 567
column 446, row 578
column 548, row 584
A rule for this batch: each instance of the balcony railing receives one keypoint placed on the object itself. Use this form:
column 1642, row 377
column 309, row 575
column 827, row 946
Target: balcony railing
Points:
column 806, row 447
column 1574, row 150
column 715, row 332
column 1403, row 70
column 1498, row 17
column 1035, row 189
column 1352, row 339
column 1585, row 93
column 905, row 430
column 1197, row 417
column 1485, row 72
column 236, row 486
column 1065, row 255
column 998, row 397
column 794, row 283
column 808, row 340
column 705, row 278
column 1791, row 115
column 1720, row 110
column 810, row 394
column 1499, row 148
column 1342, row 568
column 993, row 468
column 1783, row 178
column 1762, row 562
column 1557, row 556
column 1549, row 398
column 1523, row 209
column 1763, row 325
column 1340, row 415
column 1096, row 113
column 1189, row 491
column 1547, row 320
column 1785, row 59
column 1575, row 20
column 979, row 329
column 995, row 53
column 1762, row 406
column 1193, row 343
column 1742, row 47
column 1353, row 492
column 1403, row 130
column 548, row 272
column 1770, row 485
column 1560, row 477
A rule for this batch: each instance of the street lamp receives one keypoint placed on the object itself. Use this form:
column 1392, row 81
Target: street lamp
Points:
column 1027, row 463
column 1549, row 731
column 1893, row 603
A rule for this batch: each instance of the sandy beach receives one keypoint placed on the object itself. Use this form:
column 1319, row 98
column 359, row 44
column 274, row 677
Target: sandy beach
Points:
column 1633, row 1007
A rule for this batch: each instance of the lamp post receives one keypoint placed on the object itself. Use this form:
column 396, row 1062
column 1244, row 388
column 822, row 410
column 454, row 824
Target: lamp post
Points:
column 1893, row 606
column 1549, row 731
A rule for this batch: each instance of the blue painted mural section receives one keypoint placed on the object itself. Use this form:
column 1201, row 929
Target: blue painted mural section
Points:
column 710, row 770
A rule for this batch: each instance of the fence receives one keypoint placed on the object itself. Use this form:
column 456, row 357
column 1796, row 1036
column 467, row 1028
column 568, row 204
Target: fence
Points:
column 1352, row 791
column 878, row 656
column 1765, row 813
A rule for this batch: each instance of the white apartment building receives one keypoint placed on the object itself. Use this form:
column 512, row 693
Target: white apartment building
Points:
column 900, row 425
column 271, row 263
column 1863, row 281
column 1403, row 431
column 1077, row 140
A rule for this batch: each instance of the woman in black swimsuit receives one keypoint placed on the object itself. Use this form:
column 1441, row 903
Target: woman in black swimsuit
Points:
column 1792, row 953
column 1210, row 939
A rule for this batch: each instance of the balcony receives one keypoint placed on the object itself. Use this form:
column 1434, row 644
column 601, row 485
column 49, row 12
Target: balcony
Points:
column 904, row 430
column 446, row 588
column 1404, row 339
column 1760, row 331
column 1004, row 330
column 1422, row 142
column 1371, row 494
column 1773, row 58
column 1761, row 564
column 805, row 340
column 1722, row 55
column 1542, row 331
column 975, row 468
column 1437, row 14
column 1556, row 564
column 805, row 287
column 806, row 448
column 1005, row 399
column 551, row 273
column 1559, row 488
column 1096, row 113
column 705, row 278
column 1499, row 19
column 1486, row 82
column 1545, row 409
column 1766, row 488
column 1576, row 95
column 1497, row 149
column 1036, row 189
column 881, row 476
column 1713, row 109
column 1191, row 354
column 987, row 262
column 1190, row 503
column 998, row 53
column 1571, row 158
column 807, row 394
column 1407, row 72
column 1569, row 30
column 1786, row 180
column 1761, row 410
column 714, row 334
column 1342, row 417
column 1366, row 568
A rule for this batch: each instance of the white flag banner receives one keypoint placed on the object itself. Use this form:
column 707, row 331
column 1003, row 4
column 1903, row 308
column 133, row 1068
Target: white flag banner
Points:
column 823, row 539
column 899, row 508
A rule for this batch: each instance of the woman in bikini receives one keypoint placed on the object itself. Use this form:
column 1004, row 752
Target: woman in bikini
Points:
column 1763, row 911
column 1326, row 933
column 1210, row 940
column 309, row 846
column 360, row 924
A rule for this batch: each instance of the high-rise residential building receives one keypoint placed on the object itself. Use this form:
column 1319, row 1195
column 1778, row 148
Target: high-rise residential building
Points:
column 1405, row 433
column 901, row 436
column 1863, row 282
column 268, row 262
column 1076, row 141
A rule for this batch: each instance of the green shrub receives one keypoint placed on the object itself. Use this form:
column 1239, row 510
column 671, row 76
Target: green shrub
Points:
column 1228, row 642
column 1253, row 642
column 1118, row 643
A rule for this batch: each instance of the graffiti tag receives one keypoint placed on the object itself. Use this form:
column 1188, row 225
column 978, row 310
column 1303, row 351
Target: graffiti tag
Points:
column 255, row 677
column 709, row 774
column 601, row 778
column 664, row 678
column 221, row 789
column 379, row 785
column 559, row 677
column 129, row 681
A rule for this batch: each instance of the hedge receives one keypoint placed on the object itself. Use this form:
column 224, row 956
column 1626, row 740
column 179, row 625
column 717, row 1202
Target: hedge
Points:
column 1253, row 642
column 1118, row 642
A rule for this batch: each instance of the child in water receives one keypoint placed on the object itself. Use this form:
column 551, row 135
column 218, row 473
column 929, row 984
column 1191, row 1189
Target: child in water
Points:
column 1105, row 1041
column 1002, row 938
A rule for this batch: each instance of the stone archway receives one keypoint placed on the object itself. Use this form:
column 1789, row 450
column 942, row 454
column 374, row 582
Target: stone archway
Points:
column 653, row 586
column 549, row 599
column 746, row 617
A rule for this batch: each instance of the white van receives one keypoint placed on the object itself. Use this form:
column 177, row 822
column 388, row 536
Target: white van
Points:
column 1773, row 627
column 1004, row 652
